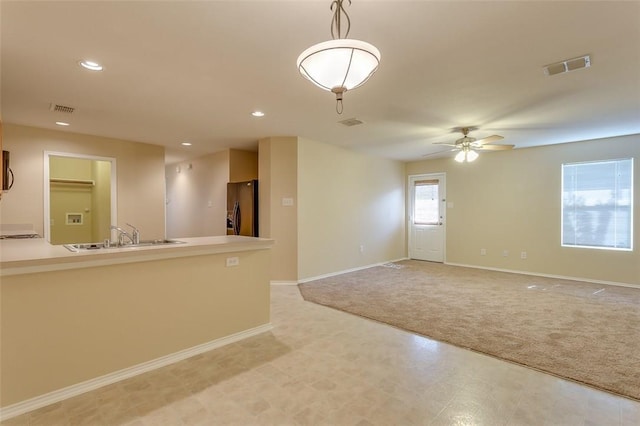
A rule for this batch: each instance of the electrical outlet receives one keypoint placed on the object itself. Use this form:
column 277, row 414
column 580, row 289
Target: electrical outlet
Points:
column 233, row 261
column 523, row 255
column 483, row 252
column 505, row 253
column 361, row 248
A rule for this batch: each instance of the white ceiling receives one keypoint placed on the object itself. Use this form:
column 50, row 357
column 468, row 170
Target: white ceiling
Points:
column 177, row 71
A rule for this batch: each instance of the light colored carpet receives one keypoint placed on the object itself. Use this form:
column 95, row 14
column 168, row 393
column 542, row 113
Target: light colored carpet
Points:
column 585, row 332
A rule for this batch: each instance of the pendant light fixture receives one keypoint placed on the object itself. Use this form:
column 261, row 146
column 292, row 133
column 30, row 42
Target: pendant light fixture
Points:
column 339, row 64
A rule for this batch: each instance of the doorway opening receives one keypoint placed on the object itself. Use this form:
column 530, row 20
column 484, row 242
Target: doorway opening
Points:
column 79, row 197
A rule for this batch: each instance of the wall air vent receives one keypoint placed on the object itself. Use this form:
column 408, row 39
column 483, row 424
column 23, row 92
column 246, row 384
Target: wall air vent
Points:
column 350, row 122
column 568, row 65
column 61, row 108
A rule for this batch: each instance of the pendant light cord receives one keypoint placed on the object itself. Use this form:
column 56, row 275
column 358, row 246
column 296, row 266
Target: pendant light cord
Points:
column 336, row 27
column 336, row 22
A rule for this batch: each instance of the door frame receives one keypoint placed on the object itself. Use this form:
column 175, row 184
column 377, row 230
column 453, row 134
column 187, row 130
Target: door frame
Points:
column 442, row 177
column 47, row 190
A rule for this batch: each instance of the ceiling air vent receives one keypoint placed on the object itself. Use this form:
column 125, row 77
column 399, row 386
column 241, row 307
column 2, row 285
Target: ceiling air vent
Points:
column 61, row 108
column 350, row 122
column 568, row 65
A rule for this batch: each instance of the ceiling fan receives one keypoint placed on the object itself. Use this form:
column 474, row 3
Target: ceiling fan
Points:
column 468, row 145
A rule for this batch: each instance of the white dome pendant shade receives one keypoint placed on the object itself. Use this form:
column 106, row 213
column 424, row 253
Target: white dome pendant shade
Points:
column 340, row 64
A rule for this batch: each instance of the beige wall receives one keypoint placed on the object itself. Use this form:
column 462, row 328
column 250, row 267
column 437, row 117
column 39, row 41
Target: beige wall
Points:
column 92, row 201
column 347, row 200
column 511, row 201
column 341, row 200
column 70, row 168
column 139, row 167
column 197, row 196
column 102, row 200
column 278, row 167
column 71, row 198
column 264, row 190
column 65, row 327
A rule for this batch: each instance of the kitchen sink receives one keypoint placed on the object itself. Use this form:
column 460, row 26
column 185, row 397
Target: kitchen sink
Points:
column 154, row 243
column 103, row 246
column 84, row 246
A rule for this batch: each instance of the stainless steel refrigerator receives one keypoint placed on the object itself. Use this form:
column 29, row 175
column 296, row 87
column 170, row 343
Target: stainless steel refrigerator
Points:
column 242, row 208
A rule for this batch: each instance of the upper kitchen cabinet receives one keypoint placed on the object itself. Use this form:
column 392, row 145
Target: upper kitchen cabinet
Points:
column 243, row 165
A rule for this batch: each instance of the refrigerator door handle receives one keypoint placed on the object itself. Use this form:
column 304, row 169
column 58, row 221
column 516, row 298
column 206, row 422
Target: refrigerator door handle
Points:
column 236, row 218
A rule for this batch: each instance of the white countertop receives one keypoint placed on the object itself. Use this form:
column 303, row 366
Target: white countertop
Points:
column 23, row 256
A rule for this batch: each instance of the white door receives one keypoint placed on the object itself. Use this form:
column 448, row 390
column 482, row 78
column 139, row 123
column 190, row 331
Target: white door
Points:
column 427, row 217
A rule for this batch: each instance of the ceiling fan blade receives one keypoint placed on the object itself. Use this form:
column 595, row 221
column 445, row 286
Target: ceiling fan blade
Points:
column 495, row 147
column 445, row 143
column 439, row 152
column 488, row 139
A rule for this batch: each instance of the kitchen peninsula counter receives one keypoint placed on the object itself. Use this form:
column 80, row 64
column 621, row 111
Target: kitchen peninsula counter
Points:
column 72, row 322
column 18, row 256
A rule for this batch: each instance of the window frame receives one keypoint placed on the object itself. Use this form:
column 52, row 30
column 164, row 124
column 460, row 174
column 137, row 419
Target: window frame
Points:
column 431, row 183
column 562, row 206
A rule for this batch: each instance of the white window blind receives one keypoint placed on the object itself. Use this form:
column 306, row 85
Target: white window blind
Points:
column 597, row 204
column 426, row 202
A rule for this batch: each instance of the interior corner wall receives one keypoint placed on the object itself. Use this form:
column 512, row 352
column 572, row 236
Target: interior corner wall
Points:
column 139, row 170
column 511, row 200
column 277, row 168
column 350, row 209
column 264, row 187
column 197, row 196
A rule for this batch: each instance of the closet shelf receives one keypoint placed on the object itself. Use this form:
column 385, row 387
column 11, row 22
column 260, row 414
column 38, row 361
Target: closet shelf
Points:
column 73, row 181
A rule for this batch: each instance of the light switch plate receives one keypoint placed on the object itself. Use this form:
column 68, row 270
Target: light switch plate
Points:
column 287, row 202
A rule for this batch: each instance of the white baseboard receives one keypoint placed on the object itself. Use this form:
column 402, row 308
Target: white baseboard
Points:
column 276, row 282
column 92, row 384
column 346, row 271
column 537, row 274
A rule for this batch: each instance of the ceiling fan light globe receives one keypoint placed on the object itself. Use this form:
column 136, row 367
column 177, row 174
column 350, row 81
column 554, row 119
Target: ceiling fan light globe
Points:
column 472, row 156
column 460, row 157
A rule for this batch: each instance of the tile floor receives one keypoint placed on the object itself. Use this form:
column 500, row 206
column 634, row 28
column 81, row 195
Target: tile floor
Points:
column 324, row 367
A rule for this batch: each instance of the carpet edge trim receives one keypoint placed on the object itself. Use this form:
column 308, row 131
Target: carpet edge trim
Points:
column 488, row 354
column 346, row 271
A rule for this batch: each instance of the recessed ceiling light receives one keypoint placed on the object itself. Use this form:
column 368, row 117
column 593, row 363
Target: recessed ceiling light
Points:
column 61, row 123
column 257, row 114
column 90, row 65
column 186, row 144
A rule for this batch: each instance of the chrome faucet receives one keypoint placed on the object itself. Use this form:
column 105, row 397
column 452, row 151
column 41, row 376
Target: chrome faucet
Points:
column 134, row 237
column 135, row 234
